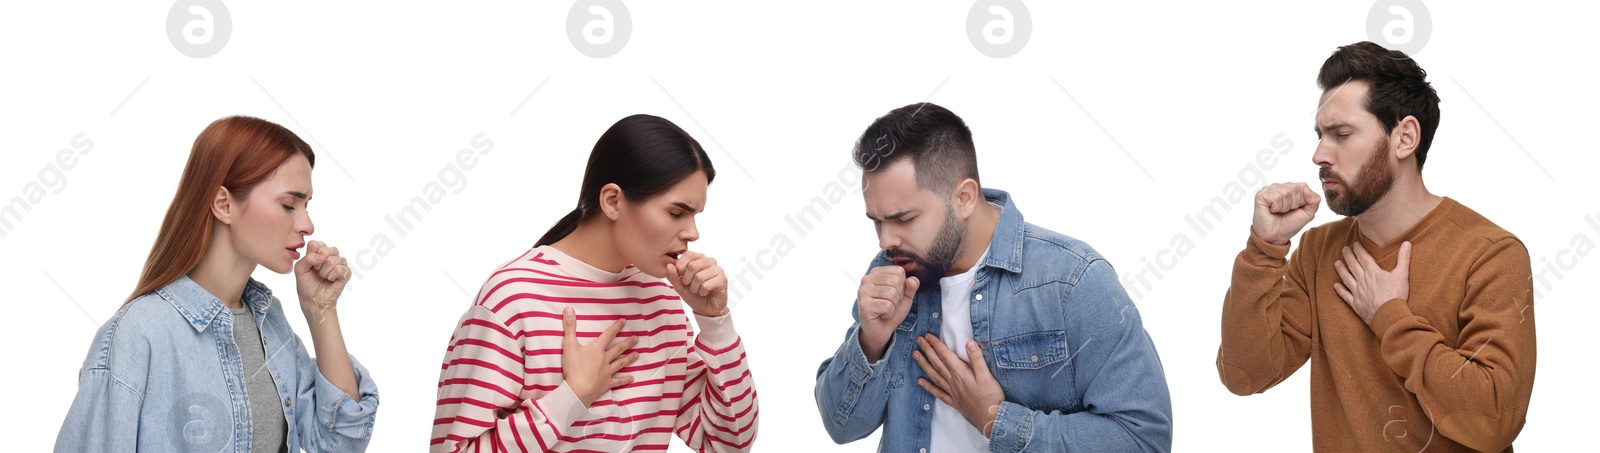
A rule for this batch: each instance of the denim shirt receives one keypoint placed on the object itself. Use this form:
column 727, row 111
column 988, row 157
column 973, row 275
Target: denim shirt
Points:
column 164, row 374
column 1056, row 330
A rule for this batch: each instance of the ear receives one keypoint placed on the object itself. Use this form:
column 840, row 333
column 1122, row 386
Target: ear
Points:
column 222, row 206
column 966, row 197
column 1405, row 137
column 610, row 200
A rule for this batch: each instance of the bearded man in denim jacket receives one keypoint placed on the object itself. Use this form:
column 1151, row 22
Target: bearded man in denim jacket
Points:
column 976, row 331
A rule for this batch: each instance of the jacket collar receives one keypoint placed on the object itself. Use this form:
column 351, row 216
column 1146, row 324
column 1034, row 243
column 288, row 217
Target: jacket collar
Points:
column 201, row 308
column 1005, row 247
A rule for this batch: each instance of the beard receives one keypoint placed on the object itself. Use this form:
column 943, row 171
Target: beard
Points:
column 1373, row 181
column 941, row 254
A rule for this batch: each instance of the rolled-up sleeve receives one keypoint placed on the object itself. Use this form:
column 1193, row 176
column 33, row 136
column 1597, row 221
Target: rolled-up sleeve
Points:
column 331, row 420
column 852, row 394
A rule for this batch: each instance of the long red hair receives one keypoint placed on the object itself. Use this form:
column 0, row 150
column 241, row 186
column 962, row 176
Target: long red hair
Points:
column 237, row 153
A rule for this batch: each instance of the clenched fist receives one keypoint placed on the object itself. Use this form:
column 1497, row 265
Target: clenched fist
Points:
column 1282, row 210
column 883, row 301
column 320, row 278
column 700, row 282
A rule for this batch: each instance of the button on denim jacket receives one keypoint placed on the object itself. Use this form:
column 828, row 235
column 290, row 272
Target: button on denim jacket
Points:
column 1058, row 332
column 165, row 375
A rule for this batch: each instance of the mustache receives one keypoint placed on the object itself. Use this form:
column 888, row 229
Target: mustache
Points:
column 895, row 253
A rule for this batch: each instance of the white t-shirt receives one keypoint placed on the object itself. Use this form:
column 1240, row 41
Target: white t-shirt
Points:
column 951, row 432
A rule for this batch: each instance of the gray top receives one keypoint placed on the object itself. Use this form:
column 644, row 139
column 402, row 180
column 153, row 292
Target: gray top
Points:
column 268, row 427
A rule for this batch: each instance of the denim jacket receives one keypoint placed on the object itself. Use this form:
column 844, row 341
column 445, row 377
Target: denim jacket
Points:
column 164, row 375
column 1057, row 331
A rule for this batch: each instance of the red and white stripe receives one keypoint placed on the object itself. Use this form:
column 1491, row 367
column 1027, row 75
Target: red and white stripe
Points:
column 500, row 386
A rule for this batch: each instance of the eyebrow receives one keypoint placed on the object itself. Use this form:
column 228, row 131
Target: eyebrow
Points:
column 299, row 195
column 1329, row 127
column 685, row 206
column 894, row 216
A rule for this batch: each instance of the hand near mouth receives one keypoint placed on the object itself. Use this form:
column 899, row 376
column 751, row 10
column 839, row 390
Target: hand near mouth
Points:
column 700, row 282
column 1282, row 210
column 908, row 264
column 882, row 303
column 320, row 277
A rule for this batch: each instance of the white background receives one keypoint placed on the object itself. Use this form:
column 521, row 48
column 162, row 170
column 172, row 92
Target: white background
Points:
column 1167, row 104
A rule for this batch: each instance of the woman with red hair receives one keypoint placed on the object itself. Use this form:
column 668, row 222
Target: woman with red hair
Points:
column 201, row 357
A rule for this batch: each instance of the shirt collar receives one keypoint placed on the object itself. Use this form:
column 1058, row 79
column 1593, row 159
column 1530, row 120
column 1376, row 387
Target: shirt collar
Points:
column 201, row 308
column 1005, row 247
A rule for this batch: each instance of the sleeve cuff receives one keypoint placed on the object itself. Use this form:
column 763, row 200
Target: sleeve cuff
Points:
column 1390, row 313
column 716, row 334
column 562, row 407
column 1267, row 249
column 860, row 368
column 1395, row 315
column 347, row 416
column 1013, row 428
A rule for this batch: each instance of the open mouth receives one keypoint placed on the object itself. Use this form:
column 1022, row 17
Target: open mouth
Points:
column 905, row 263
column 674, row 255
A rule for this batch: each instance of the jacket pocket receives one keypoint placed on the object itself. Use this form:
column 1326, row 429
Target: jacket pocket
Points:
column 1031, row 351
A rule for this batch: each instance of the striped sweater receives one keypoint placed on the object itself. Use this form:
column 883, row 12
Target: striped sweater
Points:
column 500, row 387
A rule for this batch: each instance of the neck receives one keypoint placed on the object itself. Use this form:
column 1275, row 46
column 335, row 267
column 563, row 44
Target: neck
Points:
column 591, row 243
column 980, row 231
column 1398, row 211
column 222, row 272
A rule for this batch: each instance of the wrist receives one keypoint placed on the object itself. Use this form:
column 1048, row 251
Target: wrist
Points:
column 318, row 315
column 1270, row 239
column 711, row 313
column 872, row 346
column 986, row 422
column 584, row 398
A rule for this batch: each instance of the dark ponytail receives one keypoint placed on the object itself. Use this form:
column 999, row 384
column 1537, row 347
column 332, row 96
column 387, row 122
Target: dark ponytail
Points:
column 644, row 155
column 563, row 227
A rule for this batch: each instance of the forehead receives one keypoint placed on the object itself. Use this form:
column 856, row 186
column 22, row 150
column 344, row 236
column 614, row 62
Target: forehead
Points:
column 1343, row 104
column 690, row 190
column 895, row 188
column 293, row 175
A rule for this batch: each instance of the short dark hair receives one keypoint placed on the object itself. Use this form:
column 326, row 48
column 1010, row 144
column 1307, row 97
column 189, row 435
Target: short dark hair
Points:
column 1399, row 88
column 934, row 138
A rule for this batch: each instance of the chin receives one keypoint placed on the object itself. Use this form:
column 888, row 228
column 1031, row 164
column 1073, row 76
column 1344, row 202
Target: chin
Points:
column 279, row 268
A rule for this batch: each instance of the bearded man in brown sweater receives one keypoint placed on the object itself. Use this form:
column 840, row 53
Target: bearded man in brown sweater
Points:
column 1416, row 312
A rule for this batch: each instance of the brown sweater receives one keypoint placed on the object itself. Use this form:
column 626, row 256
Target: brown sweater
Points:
column 1448, row 370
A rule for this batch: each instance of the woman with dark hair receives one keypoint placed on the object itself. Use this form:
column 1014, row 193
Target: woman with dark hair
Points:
column 201, row 357
column 578, row 344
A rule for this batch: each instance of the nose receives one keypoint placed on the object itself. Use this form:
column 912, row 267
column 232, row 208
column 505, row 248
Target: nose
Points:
column 692, row 233
column 887, row 240
column 304, row 226
column 1323, row 157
